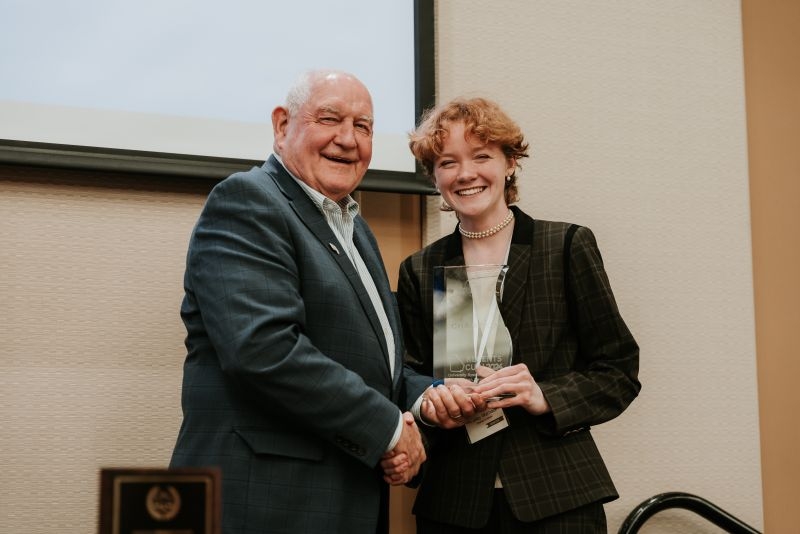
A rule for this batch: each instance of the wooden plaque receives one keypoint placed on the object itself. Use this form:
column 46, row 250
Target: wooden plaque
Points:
column 160, row 501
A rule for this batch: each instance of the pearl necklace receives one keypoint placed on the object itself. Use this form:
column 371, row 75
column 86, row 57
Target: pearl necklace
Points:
column 491, row 231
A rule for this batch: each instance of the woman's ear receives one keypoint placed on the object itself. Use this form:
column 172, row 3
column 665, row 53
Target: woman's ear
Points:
column 512, row 167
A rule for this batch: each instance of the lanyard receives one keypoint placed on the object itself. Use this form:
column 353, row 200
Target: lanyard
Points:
column 480, row 346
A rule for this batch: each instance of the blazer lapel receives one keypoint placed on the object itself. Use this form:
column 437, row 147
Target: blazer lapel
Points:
column 515, row 287
column 307, row 212
column 310, row 215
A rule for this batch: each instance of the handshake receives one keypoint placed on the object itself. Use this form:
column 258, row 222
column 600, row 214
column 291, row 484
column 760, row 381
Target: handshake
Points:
column 454, row 404
column 446, row 407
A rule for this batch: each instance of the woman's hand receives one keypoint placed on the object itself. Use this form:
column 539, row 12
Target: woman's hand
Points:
column 510, row 386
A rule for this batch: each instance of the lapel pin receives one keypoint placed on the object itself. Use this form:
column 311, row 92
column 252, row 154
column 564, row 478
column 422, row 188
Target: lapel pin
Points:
column 333, row 248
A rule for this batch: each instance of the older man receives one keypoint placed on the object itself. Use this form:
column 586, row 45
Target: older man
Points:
column 294, row 370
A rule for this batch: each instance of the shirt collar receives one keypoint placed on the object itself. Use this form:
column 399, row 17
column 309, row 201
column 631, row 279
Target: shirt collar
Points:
column 322, row 202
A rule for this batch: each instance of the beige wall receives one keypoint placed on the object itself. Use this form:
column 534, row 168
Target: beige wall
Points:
column 635, row 112
column 90, row 337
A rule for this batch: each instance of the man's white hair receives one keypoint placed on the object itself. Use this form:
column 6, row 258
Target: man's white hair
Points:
column 300, row 91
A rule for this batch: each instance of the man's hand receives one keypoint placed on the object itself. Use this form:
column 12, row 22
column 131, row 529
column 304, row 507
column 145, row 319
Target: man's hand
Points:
column 402, row 463
column 452, row 404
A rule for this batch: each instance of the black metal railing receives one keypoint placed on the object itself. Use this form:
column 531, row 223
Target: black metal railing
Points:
column 687, row 501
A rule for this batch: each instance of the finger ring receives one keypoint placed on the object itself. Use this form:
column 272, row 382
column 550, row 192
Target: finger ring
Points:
column 455, row 416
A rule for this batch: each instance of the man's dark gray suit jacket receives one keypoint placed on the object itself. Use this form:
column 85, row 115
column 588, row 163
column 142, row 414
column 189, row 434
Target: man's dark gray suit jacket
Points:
column 287, row 386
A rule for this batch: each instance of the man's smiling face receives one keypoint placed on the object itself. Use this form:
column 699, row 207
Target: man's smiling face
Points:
column 328, row 142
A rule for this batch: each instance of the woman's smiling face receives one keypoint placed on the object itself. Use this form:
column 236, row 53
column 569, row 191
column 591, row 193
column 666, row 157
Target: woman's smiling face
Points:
column 471, row 176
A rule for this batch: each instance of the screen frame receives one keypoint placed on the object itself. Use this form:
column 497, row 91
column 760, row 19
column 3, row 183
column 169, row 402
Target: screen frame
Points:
column 213, row 169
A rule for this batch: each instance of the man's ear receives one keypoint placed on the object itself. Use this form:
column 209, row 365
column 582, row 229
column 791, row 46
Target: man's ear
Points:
column 280, row 121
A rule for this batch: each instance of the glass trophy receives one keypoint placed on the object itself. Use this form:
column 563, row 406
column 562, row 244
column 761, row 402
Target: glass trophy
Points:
column 468, row 329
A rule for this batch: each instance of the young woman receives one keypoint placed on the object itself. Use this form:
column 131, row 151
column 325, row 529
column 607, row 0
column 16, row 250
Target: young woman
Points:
column 574, row 363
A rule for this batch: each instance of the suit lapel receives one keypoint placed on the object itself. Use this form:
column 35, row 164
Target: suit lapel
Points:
column 515, row 287
column 315, row 221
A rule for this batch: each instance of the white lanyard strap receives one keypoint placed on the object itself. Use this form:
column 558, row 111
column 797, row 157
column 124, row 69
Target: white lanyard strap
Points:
column 480, row 350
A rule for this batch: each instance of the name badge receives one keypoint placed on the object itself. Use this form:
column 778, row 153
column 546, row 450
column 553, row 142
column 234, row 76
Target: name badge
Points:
column 486, row 424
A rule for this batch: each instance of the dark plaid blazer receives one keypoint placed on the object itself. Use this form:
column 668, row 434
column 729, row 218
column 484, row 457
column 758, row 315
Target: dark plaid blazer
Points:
column 286, row 383
column 586, row 365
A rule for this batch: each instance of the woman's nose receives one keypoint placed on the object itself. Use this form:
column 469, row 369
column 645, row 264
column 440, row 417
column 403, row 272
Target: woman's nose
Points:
column 467, row 172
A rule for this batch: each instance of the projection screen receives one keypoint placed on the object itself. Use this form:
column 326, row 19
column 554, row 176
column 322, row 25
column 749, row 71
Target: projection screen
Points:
column 186, row 87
